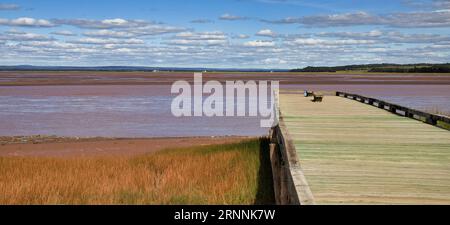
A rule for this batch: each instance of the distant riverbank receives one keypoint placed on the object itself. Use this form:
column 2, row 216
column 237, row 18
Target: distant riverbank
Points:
column 54, row 146
column 34, row 78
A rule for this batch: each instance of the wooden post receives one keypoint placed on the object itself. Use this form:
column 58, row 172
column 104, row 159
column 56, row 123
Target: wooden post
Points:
column 392, row 109
column 408, row 114
column 430, row 120
column 275, row 161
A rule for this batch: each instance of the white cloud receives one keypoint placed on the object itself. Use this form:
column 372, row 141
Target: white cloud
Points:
column 102, row 24
column 51, row 45
column 15, row 35
column 102, row 41
column 109, row 33
column 195, row 42
column 273, row 61
column 26, row 22
column 199, row 38
column 115, row 22
column 388, row 36
column 419, row 19
column 215, row 35
column 438, row 18
column 126, row 41
column 119, row 28
column 266, row 33
column 259, row 43
column 241, row 36
column 314, row 41
column 151, row 30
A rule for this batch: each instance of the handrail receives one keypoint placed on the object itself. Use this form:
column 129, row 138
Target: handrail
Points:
column 430, row 118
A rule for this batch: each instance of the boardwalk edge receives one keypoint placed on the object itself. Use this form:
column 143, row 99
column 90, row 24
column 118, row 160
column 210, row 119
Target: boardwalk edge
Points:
column 290, row 184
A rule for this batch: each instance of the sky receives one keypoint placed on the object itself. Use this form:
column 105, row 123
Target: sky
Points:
column 278, row 34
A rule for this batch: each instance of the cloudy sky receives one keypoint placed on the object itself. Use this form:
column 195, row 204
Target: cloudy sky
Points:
column 223, row 33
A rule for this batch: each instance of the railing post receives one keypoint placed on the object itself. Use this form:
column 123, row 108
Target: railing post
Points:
column 430, row 120
column 392, row 109
column 361, row 99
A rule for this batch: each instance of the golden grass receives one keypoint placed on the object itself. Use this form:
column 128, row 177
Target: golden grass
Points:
column 218, row 174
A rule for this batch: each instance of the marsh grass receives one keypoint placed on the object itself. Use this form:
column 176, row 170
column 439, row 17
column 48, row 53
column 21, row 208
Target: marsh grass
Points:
column 219, row 174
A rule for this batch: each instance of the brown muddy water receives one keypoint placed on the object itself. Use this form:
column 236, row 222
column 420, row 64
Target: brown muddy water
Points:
column 144, row 110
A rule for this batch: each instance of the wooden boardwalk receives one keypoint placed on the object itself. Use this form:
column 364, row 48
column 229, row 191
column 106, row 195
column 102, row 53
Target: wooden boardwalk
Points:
column 354, row 153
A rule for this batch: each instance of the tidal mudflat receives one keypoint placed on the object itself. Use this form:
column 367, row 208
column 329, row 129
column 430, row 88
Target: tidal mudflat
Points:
column 144, row 110
column 108, row 111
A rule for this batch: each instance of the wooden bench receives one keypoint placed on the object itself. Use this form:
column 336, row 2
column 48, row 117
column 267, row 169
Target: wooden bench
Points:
column 317, row 98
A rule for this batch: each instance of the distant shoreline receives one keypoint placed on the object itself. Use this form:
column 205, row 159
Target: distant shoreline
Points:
column 41, row 78
column 55, row 146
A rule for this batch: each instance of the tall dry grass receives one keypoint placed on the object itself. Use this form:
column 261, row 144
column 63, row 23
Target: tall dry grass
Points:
column 219, row 174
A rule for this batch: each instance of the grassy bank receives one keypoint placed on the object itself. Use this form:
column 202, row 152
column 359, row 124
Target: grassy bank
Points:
column 219, row 174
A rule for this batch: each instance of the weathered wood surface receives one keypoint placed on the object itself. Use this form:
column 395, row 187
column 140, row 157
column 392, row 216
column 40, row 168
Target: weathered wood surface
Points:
column 290, row 185
column 354, row 153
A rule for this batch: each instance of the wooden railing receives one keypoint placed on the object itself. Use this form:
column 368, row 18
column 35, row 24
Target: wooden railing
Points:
column 429, row 118
column 290, row 185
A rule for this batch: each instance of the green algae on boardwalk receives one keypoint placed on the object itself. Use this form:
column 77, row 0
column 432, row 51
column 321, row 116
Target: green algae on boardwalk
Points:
column 353, row 153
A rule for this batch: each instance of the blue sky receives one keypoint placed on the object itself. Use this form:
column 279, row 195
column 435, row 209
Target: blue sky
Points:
column 223, row 33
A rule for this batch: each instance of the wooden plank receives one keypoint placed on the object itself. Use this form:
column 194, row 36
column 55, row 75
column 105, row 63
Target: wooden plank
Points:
column 302, row 188
column 353, row 153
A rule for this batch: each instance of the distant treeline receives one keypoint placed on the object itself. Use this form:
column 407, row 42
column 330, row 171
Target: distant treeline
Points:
column 130, row 69
column 392, row 68
column 429, row 69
